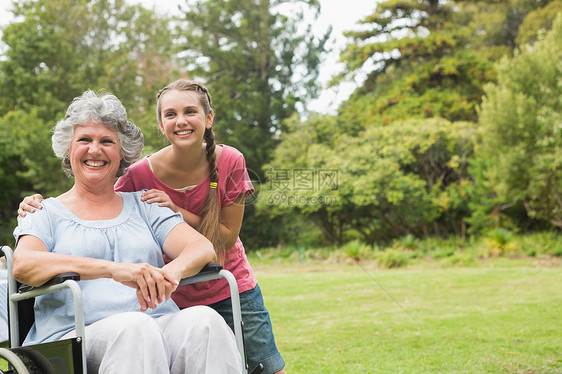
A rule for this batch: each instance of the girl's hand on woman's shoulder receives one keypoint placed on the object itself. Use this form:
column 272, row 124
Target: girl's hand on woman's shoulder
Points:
column 29, row 204
column 160, row 197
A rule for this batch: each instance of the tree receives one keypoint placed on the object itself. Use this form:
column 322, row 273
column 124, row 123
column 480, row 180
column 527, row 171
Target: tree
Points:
column 429, row 58
column 378, row 183
column 61, row 48
column 538, row 22
column 495, row 25
column 55, row 50
column 416, row 63
column 260, row 59
column 520, row 152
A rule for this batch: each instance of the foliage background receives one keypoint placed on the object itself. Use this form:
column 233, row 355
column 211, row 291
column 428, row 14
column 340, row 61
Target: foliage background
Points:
column 456, row 130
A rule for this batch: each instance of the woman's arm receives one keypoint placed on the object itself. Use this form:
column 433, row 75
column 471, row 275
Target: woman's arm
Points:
column 230, row 218
column 189, row 250
column 34, row 265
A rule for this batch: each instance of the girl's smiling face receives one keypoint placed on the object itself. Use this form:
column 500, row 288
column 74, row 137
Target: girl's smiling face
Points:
column 95, row 153
column 183, row 117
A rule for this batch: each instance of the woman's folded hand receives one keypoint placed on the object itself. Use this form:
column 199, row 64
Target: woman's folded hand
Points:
column 153, row 285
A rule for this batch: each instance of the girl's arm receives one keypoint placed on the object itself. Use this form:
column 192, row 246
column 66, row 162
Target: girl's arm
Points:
column 231, row 220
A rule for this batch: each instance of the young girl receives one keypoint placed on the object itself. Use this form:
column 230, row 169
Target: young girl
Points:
column 207, row 184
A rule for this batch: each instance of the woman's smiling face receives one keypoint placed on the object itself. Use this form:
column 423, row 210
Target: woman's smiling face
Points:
column 95, row 153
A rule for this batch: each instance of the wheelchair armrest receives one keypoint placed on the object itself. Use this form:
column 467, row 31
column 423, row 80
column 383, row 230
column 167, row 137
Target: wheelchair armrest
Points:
column 211, row 267
column 209, row 271
column 62, row 281
column 58, row 279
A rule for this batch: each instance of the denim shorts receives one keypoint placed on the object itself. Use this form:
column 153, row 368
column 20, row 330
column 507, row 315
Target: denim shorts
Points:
column 258, row 334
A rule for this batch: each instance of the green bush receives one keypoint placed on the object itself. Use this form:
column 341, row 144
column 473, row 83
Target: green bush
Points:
column 544, row 243
column 500, row 242
column 408, row 242
column 392, row 258
column 356, row 250
column 443, row 253
column 460, row 259
column 453, row 251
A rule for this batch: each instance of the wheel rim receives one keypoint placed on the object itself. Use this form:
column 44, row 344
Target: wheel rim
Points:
column 14, row 361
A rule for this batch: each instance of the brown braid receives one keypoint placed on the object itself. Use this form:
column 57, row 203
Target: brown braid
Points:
column 209, row 224
column 211, row 156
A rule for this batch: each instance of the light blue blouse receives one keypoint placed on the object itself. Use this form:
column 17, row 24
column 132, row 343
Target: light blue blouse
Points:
column 135, row 236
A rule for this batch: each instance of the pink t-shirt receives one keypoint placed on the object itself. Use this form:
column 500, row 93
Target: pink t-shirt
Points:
column 233, row 181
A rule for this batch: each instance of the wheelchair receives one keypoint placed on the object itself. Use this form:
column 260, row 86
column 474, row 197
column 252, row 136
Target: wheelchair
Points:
column 68, row 356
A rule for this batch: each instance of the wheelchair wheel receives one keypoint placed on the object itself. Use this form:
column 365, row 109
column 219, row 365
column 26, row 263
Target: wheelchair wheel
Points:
column 34, row 361
column 14, row 361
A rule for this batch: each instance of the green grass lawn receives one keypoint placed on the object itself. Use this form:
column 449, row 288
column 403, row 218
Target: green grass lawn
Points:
column 502, row 316
column 495, row 316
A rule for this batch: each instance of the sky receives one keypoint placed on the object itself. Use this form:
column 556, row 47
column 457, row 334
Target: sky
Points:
column 342, row 15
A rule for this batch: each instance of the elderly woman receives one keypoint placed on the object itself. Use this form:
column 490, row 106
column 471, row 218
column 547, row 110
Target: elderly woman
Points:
column 115, row 242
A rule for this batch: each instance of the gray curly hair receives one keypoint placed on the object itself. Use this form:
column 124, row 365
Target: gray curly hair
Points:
column 103, row 108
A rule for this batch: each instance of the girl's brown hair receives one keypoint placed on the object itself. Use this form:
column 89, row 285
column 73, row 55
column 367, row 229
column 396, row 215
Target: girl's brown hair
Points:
column 209, row 224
